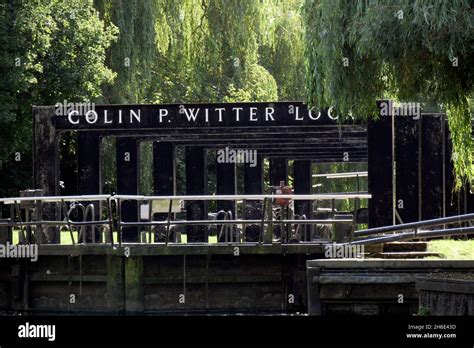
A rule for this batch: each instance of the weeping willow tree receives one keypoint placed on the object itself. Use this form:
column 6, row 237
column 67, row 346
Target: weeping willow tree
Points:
column 282, row 47
column 232, row 43
column 132, row 55
column 179, row 28
column 204, row 51
column 185, row 51
column 207, row 51
column 361, row 51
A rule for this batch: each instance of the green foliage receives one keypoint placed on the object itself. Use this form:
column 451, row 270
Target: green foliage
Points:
column 282, row 47
column 221, row 50
column 256, row 84
column 180, row 29
column 16, row 76
column 73, row 66
column 132, row 55
column 233, row 30
column 459, row 121
column 51, row 51
column 410, row 50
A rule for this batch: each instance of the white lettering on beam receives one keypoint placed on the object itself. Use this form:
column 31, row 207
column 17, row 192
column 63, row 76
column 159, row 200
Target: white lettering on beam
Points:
column 220, row 110
column 237, row 113
column 310, row 114
column 133, row 114
column 69, row 117
column 269, row 113
column 163, row 113
column 297, row 114
column 91, row 117
column 106, row 120
column 253, row 114
column 192, row 114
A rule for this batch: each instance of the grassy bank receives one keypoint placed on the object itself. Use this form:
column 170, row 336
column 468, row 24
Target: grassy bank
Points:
column 453, row 249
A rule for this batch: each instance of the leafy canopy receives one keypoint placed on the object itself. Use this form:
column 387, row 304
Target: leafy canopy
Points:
column 409, row 50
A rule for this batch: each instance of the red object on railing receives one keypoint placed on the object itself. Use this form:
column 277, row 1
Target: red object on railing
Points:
column 283, row 190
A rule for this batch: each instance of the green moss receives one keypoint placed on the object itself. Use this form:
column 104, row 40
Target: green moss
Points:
column 423, row 311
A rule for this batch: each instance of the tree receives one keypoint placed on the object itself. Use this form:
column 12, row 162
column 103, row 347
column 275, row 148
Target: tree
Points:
column 180, row 30
column 281, row 47
column 359, row 51
column 132, row 55
column 209, row 52
column 51, row 51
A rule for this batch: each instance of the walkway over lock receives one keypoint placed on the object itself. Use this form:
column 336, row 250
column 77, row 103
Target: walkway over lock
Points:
column 409, row 159
column 279, row 132
column 77, row 214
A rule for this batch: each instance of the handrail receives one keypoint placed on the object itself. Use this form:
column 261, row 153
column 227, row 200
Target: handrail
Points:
column 415, row 225
column 414, row 235
column 53, row 199
column 240, row 221
column 113, row 218
column 318, row 196
column 341, row 175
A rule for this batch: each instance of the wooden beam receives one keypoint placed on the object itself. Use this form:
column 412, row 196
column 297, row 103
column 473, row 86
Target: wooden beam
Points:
column 196, row 184
column 46, row 163
column 127, row 183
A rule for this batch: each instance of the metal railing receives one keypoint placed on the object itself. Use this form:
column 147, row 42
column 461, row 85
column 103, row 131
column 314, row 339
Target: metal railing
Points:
column 415, row 230
column 78, row 213
column 105, row 211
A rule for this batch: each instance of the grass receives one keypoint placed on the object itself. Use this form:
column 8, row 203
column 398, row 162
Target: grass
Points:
column 452, row 249
column 66, row 238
